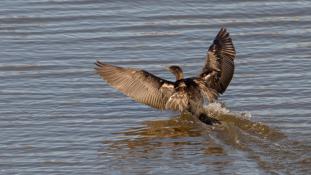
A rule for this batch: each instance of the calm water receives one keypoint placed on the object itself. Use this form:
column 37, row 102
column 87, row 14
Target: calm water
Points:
column 58, row 117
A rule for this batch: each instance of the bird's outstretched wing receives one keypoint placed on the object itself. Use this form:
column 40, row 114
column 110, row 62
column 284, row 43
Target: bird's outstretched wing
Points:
column 141, row 85
column 219, row 66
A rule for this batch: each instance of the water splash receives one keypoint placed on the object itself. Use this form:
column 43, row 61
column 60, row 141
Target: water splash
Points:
column 241, row 121
column 218, row 108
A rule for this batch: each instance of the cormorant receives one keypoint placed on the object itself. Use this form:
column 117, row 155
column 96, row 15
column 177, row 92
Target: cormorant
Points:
column 185, row 94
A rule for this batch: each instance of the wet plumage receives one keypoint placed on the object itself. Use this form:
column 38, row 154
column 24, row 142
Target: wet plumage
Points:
column 185, row 94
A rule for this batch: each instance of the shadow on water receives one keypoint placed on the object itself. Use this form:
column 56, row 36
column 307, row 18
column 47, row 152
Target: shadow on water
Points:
column 272, row 151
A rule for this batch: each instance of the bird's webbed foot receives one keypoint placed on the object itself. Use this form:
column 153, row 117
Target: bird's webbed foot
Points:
column 208, row 120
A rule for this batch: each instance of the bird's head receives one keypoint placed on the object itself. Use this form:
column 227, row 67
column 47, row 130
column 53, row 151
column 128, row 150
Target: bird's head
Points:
column 177, row 71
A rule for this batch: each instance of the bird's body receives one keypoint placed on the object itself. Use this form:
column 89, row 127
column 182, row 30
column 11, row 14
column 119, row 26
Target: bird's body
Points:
column 185, row 94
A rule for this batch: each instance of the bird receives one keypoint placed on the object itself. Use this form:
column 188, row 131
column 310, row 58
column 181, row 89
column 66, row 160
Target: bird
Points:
column 185, row 95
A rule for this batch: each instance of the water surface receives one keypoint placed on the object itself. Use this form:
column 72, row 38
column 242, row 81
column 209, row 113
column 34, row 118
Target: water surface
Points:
column 58, row 117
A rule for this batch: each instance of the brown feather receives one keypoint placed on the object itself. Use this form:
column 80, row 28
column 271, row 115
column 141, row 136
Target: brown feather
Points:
column 210, row 94
column 141, row 85
column 178, row 101
column 219, row 67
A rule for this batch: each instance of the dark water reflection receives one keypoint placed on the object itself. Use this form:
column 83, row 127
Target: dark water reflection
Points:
column 181, row 138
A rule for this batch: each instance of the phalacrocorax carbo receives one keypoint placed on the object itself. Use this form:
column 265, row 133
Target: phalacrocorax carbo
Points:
column 185, row 94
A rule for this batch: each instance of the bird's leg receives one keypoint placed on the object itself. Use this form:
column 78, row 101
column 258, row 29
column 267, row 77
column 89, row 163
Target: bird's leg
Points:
column 208, row 120
column 202, row 116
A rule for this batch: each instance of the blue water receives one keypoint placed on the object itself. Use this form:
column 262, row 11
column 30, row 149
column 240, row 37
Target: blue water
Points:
column 58, row 117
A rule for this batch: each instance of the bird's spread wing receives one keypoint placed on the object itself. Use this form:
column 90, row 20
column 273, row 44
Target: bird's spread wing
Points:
column 219, row 67
column 141, row 85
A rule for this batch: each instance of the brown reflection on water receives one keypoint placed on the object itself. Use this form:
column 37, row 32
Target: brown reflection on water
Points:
column 268, row 147
column 182, row 126
column 173, row 142
column 172, row 133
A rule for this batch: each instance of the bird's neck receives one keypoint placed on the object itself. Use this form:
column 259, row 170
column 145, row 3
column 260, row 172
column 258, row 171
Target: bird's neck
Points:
column 179, row 75
column 177, row 71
